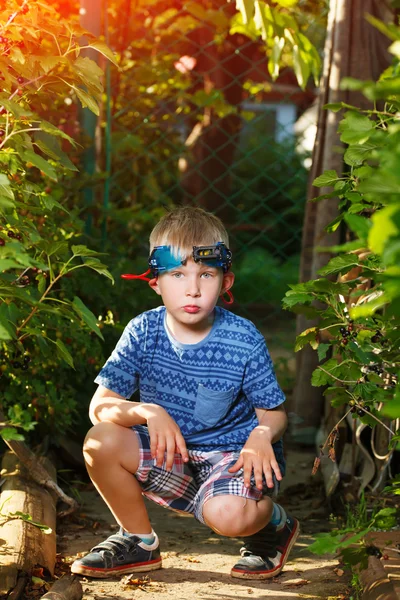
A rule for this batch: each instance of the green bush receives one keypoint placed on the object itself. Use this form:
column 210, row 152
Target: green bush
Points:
column 41, row 327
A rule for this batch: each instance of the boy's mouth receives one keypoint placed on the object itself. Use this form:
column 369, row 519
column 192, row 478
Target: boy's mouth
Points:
column 191, row 308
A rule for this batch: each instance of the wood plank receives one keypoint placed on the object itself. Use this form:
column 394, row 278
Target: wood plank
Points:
column 22, row 545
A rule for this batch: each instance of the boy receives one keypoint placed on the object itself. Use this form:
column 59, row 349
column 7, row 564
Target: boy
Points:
column 205, row 437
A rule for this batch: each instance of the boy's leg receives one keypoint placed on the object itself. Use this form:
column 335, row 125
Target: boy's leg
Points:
column 112, row 455
column 225, row 505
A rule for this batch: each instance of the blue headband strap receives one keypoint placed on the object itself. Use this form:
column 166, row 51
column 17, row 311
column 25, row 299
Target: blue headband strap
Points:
column 162, row 259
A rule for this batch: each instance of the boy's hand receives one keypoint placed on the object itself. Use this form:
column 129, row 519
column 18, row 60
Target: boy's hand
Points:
column 165, row 436
column 257, row 456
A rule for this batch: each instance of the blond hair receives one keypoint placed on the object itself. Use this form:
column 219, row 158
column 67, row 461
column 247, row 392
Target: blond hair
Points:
column 186, row 227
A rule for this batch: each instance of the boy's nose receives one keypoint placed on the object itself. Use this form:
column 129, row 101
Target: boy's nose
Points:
column 193, row 288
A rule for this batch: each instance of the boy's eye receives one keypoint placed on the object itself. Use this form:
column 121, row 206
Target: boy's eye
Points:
column 206, row 275
column 177, row 275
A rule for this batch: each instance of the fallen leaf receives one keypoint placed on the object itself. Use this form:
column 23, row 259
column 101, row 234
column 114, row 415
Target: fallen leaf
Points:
column 37, row 582
column 193, row 560
column 292, row 583
column 136, row 581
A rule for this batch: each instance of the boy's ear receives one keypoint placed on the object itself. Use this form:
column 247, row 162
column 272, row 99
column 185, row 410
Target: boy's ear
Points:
column 227, row 281
column 153, row 283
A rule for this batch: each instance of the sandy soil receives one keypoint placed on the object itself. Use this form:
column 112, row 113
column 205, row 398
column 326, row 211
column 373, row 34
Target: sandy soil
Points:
column 197, row 562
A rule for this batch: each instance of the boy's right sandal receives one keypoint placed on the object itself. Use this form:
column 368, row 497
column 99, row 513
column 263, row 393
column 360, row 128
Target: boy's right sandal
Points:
column 117, row 555
column 265, row 553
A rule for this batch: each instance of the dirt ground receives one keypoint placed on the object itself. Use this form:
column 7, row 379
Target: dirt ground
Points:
column 197, row 562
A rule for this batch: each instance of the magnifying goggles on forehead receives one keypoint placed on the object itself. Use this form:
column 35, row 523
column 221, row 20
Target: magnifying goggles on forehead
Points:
column 162, row 259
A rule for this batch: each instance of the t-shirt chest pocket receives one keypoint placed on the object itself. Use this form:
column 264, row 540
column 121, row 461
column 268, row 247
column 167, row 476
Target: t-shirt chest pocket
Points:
column 212, row 406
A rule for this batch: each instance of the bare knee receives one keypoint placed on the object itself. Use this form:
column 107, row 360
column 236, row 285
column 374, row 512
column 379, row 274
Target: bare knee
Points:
column 234, row 516
column 227, row 515
column 105, row 442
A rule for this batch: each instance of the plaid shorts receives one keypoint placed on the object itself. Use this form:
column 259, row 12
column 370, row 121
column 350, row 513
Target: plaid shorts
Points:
column 188, row 486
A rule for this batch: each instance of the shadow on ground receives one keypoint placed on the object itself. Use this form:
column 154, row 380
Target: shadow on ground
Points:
column 197, row 562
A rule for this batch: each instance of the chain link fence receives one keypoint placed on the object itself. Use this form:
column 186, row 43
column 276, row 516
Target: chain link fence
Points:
column 193, row 118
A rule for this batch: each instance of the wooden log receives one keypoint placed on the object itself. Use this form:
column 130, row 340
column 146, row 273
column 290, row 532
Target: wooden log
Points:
column 375, row 582
column 22, row 544
column 37, row 471
column 67, row 588
column 19, row 589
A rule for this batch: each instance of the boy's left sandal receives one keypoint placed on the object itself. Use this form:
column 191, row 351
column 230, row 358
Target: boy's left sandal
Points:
column 265, row 553
column 117, row 555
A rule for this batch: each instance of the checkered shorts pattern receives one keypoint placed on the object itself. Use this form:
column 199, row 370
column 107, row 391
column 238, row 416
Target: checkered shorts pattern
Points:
column 188, row 486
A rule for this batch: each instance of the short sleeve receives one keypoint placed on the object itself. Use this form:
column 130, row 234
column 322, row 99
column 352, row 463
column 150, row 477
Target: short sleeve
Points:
column 121, row 371
column 260, row 384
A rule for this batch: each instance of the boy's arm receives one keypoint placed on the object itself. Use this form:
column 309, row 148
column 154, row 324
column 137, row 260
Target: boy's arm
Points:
column 107, row 405
column 165, row 435
column 257, row 455
column 274, row 421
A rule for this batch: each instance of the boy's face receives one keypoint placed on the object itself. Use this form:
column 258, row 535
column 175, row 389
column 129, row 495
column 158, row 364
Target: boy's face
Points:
column 190, row 291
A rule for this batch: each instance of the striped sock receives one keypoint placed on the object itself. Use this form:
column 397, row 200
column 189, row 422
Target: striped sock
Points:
column 147, row 538
column 278, row 518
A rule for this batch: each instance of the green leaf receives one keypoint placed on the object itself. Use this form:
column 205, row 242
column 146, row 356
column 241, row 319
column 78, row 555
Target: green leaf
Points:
column 246, row 8
column 391, row 409
column 87, row 101
column 40, row 163
column 96, row 265
column 89, row 72
column 10, row 433
column 355, row 556
column 273, row 63
column 340, row 264
column 328, row 178
column 369, row 308
column 46, row 63
column 309, row 336
column 355, row 155
column 355, row 122
column 28, row 518
column 104, row 50
column 286, row 3
column 390, row 30
column 86, row 315
column 336, row 106
column 64, row 354
column 359, row 225
column 7, row 331
column 322, row 351
column 328, row 287
column 319, row 377
column 53, row 248
column 326, row 543
column 292, row 298
column 386, row 518
column 300, row 66
column 16, row 109
column 42, row 282
column 43, row 345
column 383, row 227
column 84, row 251
column 333, row 225
column 50, row 146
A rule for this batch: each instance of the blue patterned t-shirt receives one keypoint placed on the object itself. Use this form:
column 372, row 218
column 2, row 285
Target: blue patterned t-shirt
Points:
column 210, row 388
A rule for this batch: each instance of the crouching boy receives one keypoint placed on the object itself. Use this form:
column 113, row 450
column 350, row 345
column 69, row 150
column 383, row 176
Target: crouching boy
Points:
column 206, row 436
